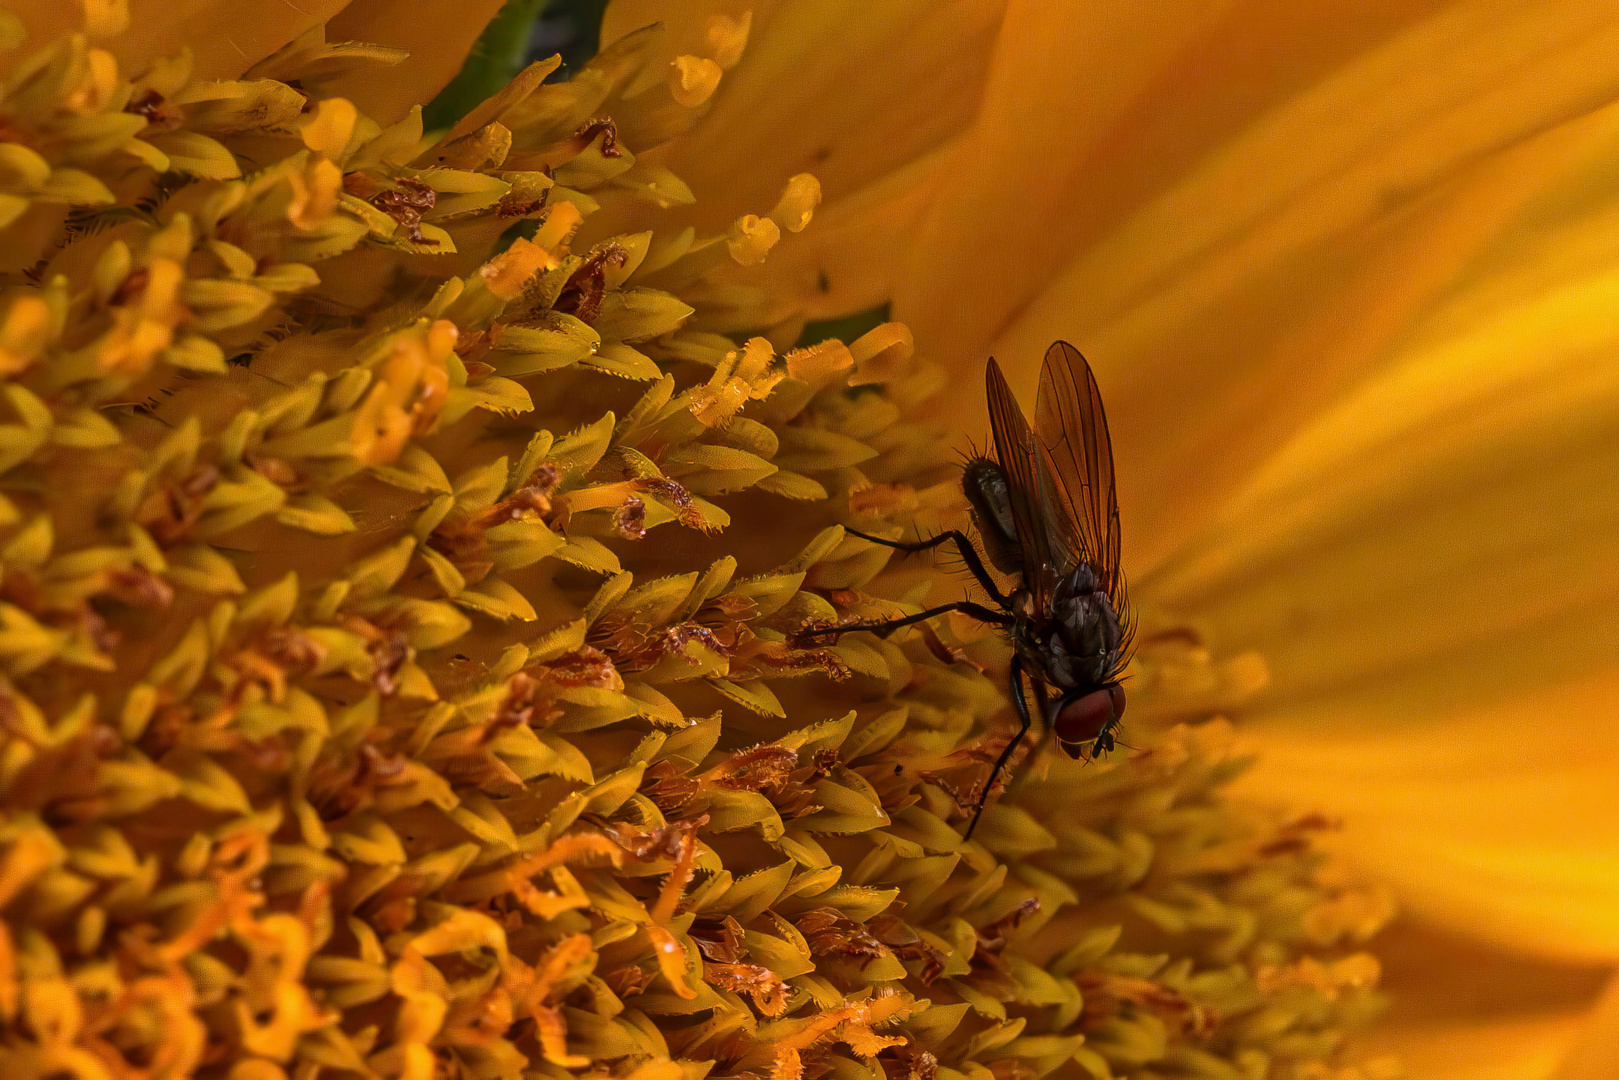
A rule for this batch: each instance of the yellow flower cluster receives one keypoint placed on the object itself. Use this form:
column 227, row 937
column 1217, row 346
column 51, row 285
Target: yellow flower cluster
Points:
column 354, row 722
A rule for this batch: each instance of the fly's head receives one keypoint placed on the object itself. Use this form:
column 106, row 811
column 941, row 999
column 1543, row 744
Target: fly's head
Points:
column 1084, row 719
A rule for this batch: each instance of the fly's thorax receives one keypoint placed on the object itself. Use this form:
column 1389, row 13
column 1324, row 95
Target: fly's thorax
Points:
column 1081, row 632
column 987, row 491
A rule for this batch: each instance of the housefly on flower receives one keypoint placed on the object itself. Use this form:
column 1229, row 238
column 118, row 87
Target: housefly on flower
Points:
column 1048, row 516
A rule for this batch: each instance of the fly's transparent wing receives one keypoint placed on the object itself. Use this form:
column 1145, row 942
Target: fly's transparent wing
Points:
column 1081, row 504
column 1018, row 456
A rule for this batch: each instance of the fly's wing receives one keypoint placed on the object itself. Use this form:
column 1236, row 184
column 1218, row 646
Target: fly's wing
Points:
column 1016, row 451
column 1082, row 503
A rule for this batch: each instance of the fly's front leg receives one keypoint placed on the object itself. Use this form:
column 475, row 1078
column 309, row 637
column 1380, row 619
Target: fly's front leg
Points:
column 1020, row 702
column 1043, row 701
column 964, row 546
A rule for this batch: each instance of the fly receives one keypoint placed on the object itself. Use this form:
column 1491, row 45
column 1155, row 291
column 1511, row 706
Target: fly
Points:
column 1047, row 513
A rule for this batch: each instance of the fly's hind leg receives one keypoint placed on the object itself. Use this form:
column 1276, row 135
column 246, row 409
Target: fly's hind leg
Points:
column 1020, row 702
column 884, row 627
column 964, row 547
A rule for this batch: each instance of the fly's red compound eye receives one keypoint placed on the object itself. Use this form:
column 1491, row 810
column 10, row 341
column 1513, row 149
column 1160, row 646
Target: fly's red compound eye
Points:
column 1118, row 700
column 1081, row 720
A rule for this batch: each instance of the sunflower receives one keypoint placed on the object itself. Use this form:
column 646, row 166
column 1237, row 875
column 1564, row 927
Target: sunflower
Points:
column 358, row 722
column 1345, row 278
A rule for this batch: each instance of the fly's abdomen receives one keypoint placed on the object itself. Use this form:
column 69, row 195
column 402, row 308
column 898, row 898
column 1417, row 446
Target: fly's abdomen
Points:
column 987, row 491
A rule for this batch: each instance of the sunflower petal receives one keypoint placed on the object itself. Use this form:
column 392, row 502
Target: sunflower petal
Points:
column 1175, row 161
column 224, row 43
column 899, row 80
column 437, row 35
column 1595, row 1052
column 1428, row 568
column 1498, row 820
column 1467, row 1011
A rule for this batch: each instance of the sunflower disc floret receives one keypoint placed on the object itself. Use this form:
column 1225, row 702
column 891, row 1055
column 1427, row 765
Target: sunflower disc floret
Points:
column 397, row 671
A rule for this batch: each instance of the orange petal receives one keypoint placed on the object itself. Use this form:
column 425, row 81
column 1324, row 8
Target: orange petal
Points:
column 438, row 35
column 1595, row 1053
column 1355, row 363
column 1463, row 1011
column 849, row 92
column 1464, row 485
column 1498, row 820
column 1519, row 1048
column 224, row 42
column 1207, row 380
column 849, row 256
column 1159, row 163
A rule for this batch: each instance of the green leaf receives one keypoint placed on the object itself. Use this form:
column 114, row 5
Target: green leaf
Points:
column 497, row 55
column 572, row 28
column 844, row 327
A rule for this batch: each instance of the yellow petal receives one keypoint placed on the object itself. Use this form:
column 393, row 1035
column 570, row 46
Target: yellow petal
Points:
column 104, row 18
column 849, row 92
column 1496, row 819
column 1469, row 471
column 437, row 34
column 1520, row 1048
column 1463, row 1011
column 847, row 261
column 1154, row 166
column 1203, row 391
column 1595, row 1053
column 1429, row 568
column 1351, row 322
column 224, row 43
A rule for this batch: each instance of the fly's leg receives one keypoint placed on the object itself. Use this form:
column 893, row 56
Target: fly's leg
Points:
column 884, row 627
column 964, row 547
column 1043, row 701
column 1020, row 702
column 1109, row 738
